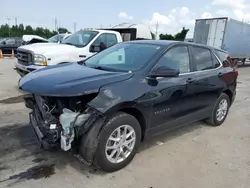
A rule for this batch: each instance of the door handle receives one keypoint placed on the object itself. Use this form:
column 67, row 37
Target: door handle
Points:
column 220, row 74
column 190, row 80
column 82, row 56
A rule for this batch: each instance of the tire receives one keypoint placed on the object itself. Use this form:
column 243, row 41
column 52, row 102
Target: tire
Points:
column 213, row 119
column 235, row 63
column 243, row 61
column 119, row 119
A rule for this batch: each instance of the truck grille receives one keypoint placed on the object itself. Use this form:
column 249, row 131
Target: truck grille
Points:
column 24, row 57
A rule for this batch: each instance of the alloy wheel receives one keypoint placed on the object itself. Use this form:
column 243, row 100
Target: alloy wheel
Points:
column 120, row 144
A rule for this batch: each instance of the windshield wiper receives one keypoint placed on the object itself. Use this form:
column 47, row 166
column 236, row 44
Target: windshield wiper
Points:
column 99, row 67
column 106, row 68
column 82, row 62
column 68, row 43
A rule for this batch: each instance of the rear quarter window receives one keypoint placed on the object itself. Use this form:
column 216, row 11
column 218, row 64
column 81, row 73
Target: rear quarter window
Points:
column 224, row 58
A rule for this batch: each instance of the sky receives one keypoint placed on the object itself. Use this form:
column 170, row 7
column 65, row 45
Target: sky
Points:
column 171, row 15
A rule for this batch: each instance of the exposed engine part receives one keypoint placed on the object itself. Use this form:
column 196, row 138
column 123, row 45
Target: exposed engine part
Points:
column 69, row 120
column 59, row 119
column 46, row 124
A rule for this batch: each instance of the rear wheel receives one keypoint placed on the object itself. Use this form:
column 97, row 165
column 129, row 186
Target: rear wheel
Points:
column 243, row 61
column 220, row 110
column 118, row 142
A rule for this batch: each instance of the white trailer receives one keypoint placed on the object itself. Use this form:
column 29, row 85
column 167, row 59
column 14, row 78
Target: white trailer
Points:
column 225, row 33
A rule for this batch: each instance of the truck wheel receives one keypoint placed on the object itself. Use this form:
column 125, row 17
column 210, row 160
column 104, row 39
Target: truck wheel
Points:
column 235, row 63
column 118, row 142
column 219, row 111
column 243, row 61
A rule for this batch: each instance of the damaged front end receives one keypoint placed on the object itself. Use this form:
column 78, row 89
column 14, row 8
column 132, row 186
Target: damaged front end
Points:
column 60, row 121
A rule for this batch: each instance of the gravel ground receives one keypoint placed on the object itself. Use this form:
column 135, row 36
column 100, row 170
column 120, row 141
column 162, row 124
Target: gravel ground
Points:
column 195, row 156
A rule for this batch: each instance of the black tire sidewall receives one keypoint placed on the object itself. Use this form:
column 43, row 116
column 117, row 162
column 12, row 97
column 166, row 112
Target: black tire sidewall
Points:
column 114, row 122
column 222, row 96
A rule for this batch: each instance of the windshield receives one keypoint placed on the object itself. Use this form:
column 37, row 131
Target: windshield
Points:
column 124, row 57
column 80, row 38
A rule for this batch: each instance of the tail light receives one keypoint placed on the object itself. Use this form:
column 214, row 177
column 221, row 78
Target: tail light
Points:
column 236, row 73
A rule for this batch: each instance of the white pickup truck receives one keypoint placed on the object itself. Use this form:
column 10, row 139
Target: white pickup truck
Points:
column 78, row 46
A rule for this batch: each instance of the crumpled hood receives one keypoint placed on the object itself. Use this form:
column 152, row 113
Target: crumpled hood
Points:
column 28, row 38
column 47, row 48
column 69, row 79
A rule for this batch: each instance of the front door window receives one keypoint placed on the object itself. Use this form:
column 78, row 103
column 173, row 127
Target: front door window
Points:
column 104, row 41
column 176, row 58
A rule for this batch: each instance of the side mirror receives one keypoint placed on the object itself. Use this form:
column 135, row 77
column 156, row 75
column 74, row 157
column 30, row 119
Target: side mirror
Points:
column 164, row 71
column 97, row 48
column 94, row 48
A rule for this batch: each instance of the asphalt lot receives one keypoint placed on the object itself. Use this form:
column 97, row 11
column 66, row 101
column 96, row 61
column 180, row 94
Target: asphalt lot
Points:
column 192, row 157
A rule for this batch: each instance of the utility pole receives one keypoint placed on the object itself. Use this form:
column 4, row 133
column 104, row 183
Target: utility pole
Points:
column 9, row 24
column 56, row 24
column 16, row 21
column 156, row 30
column 75, row 26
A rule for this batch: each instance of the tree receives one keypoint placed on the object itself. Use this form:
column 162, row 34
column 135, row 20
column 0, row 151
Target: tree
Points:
column 54, row 33
column 28, row 30
column 62, row 30
column 47, row 33
column 15, row 31
column 166, row 37
column 182, row 35
column 153, row 36
column 20, row 30
column 39, row 31
column 4, row 30
column 21, row 27
column 179, row 36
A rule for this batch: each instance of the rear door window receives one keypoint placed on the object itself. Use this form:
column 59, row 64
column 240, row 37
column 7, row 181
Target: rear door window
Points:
column 203, row 59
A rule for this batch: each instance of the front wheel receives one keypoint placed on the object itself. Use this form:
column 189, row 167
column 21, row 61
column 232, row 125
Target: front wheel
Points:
column 220, row 110
column 118, row 142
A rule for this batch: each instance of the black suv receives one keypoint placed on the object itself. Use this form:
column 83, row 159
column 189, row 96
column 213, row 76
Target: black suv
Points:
column 108, row 104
